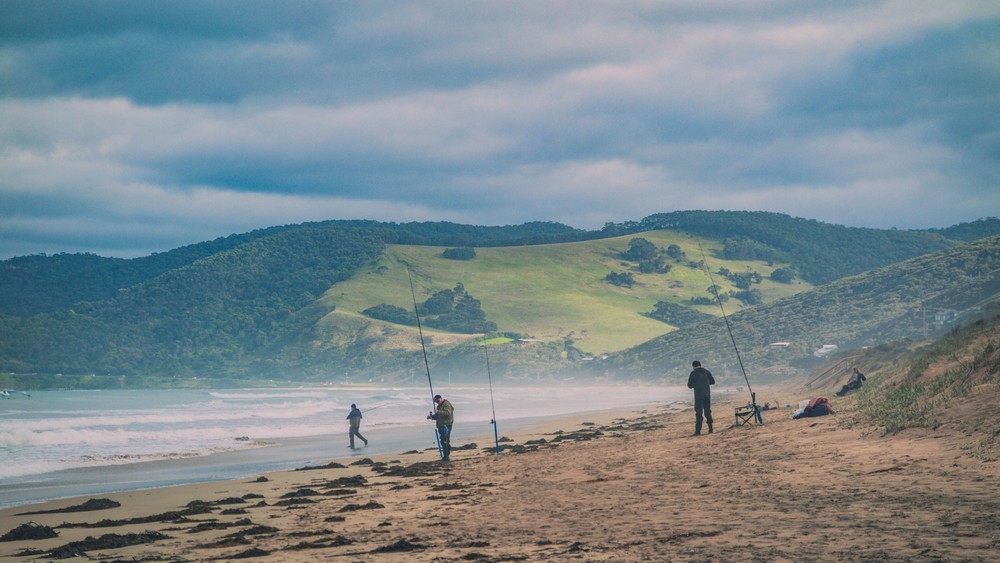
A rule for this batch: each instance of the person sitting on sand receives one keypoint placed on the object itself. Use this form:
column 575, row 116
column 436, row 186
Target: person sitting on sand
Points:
column 853, row 383
column 444, row 414
column 355, row 418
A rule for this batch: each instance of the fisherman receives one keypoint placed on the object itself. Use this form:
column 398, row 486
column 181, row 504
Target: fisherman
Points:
column 857, row 378
column 355, row 418
column 444, row 414
column 700, row 380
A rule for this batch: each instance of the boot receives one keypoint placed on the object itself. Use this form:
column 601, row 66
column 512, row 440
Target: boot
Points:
column 710, row 427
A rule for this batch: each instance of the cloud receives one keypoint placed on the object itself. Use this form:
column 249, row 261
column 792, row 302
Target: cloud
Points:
column 136, row 127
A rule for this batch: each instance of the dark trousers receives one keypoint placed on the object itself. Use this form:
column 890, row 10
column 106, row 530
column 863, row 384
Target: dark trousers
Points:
column 354, row 432
column 444, row 434
column 848, row 388
column 702, row 410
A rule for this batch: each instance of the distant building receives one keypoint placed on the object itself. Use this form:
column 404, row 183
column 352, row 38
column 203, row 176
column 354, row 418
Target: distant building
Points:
column 826, row 350
column 945, row 316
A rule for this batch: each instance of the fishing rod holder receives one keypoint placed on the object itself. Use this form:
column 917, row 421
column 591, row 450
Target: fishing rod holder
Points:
column 748, row 414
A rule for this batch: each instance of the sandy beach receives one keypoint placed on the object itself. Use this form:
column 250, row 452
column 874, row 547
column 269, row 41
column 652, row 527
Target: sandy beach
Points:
column 618, row 486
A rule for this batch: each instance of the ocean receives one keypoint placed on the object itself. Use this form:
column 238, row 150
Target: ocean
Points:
column 59, row 444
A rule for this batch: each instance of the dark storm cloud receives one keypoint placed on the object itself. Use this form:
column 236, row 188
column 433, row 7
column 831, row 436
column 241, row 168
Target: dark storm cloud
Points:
column 129, row 127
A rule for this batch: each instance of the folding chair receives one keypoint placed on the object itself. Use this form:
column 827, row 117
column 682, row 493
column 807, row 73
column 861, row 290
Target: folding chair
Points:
column 747, row 414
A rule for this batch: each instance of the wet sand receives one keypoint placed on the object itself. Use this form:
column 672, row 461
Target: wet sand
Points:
column 627, row 486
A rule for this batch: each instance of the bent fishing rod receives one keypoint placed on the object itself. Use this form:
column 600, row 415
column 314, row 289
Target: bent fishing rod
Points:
column 715, row 291
column 427, row 366
column 496, row 434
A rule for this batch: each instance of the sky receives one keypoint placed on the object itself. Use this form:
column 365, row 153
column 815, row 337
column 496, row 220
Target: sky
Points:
column 128, row 128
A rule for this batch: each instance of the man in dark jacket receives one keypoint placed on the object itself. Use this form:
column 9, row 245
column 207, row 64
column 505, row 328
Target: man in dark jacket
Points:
column 700, row 380
column 355, row 417
column 444, row 415
column 857, row 378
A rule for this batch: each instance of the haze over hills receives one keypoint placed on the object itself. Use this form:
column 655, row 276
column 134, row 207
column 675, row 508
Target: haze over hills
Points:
column 293, row 302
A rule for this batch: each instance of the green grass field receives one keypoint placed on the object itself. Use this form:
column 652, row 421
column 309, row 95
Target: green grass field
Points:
column 556, row 291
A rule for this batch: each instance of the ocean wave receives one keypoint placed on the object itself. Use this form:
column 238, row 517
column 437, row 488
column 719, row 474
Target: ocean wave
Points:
column 256, row 396
column 74, row 429
column 173, row 417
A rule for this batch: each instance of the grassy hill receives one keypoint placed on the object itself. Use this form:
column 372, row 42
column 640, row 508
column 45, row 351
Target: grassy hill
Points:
column 43, row 284
column 553, row 292
column 286, row 302
column 912, row 299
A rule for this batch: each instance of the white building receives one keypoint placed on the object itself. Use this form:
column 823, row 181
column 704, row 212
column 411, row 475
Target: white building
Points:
column 826, row 350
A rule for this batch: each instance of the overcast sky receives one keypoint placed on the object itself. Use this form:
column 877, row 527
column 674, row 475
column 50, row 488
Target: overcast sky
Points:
column 135, row 127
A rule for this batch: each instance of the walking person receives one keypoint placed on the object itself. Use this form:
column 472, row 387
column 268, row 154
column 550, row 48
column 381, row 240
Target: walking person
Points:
column 355, row 418
column 444, row 414
column 700, row 381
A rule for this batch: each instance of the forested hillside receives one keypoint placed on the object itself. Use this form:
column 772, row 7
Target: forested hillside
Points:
column 329, row 300
column 216, row 313
column 820, row 252
column 912, row 299
column 974, row 230
column 42, row 284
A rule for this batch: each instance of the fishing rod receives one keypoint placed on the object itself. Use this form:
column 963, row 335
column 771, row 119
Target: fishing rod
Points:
column 373, row 408
column 496, row 434
column 427, row 366
column 715, row 291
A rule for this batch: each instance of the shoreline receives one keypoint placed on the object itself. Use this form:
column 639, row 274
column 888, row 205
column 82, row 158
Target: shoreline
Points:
column 173, row 454
column 278, row 456
column 624, row 485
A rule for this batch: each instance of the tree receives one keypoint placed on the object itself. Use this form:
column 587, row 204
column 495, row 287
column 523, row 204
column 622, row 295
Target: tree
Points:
column 391, row 313
column 676, row 315
column 463, row 314
column 654, row 266
column 749, row 296
column 640, row 249
column 460, row 253
column 621, row 279
column 440, row 303
column 675, row 252
column 744, row 248
column 783, row 275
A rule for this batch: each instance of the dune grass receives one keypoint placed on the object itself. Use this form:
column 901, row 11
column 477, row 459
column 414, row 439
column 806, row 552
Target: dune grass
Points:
column 912, row 396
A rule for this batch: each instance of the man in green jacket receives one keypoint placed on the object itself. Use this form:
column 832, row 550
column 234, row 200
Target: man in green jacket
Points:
column 444, row 414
